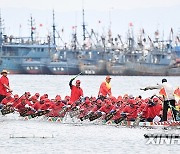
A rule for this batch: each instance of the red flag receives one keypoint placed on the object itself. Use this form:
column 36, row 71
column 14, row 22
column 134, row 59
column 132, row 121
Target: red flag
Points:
column 40, row 25
column 130, row 24
column 33, row 28
column 156, row 33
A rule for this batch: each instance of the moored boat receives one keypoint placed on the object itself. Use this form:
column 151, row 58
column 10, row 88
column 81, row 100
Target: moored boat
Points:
column 64, row 62
column 92, row 62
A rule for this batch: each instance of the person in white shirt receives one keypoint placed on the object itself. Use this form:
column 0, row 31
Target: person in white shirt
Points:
column 168, row 95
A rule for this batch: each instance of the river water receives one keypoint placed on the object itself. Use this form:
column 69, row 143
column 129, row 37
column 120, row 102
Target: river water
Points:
column 42, row 137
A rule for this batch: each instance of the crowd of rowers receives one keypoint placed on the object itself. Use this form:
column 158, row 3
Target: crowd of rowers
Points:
column 105, row 105
column 123, row 106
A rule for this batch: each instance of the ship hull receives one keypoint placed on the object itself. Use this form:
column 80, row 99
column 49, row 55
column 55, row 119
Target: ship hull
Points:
column 98, row 68
column 35, row 68
column 60, row 68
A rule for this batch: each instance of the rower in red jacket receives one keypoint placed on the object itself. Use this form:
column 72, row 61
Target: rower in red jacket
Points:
column 119, row 108
column 154, row 109
column 47, row 104
column 4, row 85
column 107, row 107
column 76, row 91
column 16, row 100
column 143, row 109
column 56, row 108
column 85, row 107
column 21, row 105
column 130, row 111
column 7, row 100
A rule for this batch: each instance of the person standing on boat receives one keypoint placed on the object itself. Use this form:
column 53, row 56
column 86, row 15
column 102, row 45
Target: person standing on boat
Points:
column 105, row 88
column 76, row 91
column 4, row 85
column 167, row 92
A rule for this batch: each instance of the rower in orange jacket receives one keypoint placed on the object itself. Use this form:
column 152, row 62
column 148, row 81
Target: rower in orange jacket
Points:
column 105, row 88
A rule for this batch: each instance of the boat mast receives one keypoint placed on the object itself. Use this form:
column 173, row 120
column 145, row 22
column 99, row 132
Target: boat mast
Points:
column 1, row 33
column 32, row 29
column 84, row 26
column 54, row 29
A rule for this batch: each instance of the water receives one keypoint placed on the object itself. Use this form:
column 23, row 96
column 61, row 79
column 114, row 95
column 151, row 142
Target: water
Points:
column 41, row 137
column 56, row 84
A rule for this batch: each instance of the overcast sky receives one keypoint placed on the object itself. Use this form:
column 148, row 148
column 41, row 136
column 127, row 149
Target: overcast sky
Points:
column 147, row 14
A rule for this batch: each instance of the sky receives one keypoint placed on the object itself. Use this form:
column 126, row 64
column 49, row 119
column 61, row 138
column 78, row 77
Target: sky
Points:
column 100, row 15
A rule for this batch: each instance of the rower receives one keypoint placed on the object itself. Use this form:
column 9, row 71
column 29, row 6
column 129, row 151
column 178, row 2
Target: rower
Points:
column 105, row 88
column 167, row 92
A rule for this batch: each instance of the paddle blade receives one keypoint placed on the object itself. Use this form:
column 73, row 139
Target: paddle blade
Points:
column 95, row 116
column 110, row 115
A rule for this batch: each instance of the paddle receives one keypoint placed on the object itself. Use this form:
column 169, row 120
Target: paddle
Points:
column 38, row 114
column 76, row 76
column 95, row 116
column 148, row 88
column 110, row 115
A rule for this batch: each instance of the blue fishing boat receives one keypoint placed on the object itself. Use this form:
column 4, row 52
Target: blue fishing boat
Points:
column 64, row 62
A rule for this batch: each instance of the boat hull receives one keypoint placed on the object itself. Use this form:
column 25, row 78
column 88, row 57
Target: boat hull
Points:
column 60, row 68
column 98, row 68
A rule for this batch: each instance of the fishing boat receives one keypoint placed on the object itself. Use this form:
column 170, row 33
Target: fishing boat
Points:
column 12, row 49
column 149, row 63
column 117, row 65
column 92, row 62
column 64, row 62
column 24, row 54
column 35, row 62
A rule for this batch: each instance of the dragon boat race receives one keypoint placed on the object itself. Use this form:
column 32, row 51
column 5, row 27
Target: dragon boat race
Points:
column 89, row 76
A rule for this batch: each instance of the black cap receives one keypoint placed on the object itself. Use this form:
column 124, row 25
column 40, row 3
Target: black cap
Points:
column 164, row 80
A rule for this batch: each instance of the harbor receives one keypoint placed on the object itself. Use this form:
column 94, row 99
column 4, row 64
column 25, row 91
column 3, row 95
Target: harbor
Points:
column 99, row 54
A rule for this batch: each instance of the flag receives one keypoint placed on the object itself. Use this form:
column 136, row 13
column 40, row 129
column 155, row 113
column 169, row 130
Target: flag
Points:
column 62, row 30
column 143, row 31
column 130, row 24
column 156, row 33
column 33, row 28
column 40, row 25
column 178, row 39
column 99, row 21
column 171, row 31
